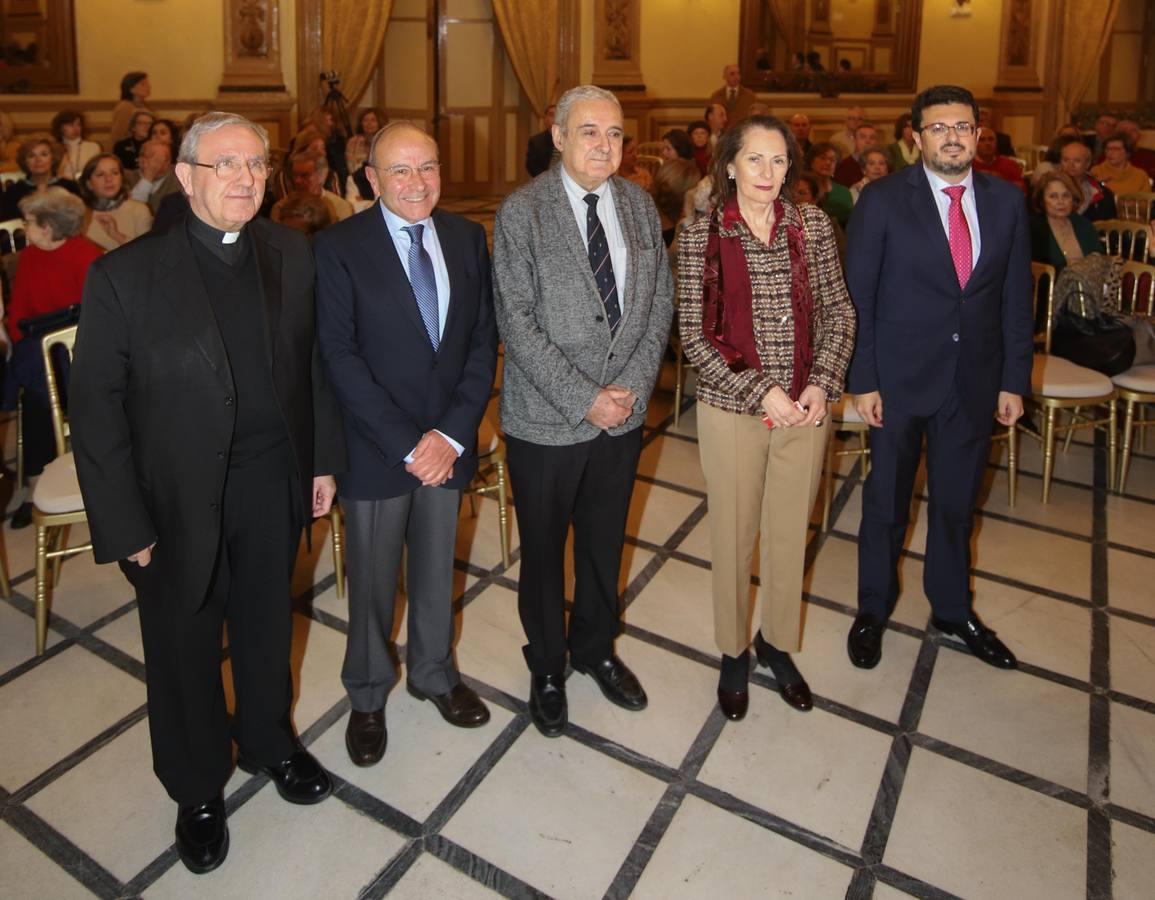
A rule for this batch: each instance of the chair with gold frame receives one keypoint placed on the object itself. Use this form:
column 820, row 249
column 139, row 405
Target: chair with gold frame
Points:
column 1124, row 239
column 56, row 500
column 1136, row 386
column 1136, row 207
column 337, row 535
column 651, row 148
column 843, row 417
column 492, row 479
column 1059, row 384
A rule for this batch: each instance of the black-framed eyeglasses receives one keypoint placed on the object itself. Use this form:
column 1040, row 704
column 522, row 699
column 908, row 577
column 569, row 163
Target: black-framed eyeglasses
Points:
column 940, row 129
column 227, row 169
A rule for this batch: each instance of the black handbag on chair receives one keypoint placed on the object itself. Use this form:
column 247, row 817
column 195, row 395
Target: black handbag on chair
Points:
column 1086, row 330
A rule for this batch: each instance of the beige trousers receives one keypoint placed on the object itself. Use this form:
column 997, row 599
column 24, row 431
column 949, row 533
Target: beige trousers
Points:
column 765, row 479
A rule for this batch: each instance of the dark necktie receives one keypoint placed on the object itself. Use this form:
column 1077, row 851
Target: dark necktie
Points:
column 959, row 234
column 603, row 269
column 422, row 281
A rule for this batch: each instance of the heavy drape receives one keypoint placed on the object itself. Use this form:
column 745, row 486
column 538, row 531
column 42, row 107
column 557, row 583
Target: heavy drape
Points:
column 352, row 33
column 1086, row 29
column 530, row 30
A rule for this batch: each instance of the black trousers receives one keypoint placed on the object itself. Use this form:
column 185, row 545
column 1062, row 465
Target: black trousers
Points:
column 587, row 485
column 250, row 591
column 957, row 447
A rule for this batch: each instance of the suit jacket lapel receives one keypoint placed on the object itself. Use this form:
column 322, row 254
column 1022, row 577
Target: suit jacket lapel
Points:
column 184, row 291
column 985, row 212
column 926, row 212
column 574, row 239
column 380, row 249
column 451, row 251
column 626, row 224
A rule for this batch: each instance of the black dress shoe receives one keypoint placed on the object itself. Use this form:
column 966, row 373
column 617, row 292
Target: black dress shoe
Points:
column 22, row 518
column 299, row 779
column 981, row 640
column 202, row 835
column 864, row 643
column 366, row 737
column 791, row 685
column 617, row 682
column 459, row 706
column 547, row 704
column 733, row 693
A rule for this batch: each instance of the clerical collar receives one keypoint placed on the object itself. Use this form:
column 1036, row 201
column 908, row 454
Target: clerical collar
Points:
column 226, row 246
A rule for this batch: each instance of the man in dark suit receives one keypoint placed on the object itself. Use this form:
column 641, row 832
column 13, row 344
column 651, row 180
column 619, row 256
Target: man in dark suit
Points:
column 539, row 151
column 736, row 99
column 406, row 331
column 204, row 437
column 938, row 265
column 584, row 298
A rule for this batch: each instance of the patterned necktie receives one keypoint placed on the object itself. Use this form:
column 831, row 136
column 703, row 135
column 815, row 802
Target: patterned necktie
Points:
column 423, row 282
column 960, row 235
column 603, row 269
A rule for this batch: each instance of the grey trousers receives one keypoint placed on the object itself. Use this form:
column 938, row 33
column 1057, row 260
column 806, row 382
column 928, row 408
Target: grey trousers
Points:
column 425, row 521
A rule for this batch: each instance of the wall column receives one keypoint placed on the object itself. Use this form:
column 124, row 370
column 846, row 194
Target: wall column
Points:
column 617, row 45
column 252, row 82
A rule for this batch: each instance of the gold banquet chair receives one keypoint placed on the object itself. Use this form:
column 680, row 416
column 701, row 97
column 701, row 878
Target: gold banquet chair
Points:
column 492, row 479
column 56, row 500
column 1058, row 384
column 1136, row 207
column 843, row 417
column 1136, row 386
column 1124, row 239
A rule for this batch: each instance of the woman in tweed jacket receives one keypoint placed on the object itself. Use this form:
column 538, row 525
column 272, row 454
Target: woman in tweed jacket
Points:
column 765, row 316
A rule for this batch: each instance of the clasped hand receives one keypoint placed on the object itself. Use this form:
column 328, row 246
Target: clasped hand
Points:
column 433, row 460
column 612, row 407
column 784, row 413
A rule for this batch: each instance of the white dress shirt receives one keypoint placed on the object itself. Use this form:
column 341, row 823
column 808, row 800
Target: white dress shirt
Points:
column 401, row 242
column 619, row 252
column 970, row 210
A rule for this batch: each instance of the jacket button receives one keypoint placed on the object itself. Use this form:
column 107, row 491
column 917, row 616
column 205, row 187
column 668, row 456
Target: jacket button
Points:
column 611, row 356
column 599, row 318
column 954, row 337
column 220, row 454
column 213, row 506
column 228, row 401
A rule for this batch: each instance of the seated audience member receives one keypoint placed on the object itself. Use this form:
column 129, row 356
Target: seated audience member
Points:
column 1050, row 160
column 1098, row 200
column 1003, row 145
column 904, row 151
column 800, row 127
column 843, row 139
column 822, row 160
column 114, row 218
column 128, row 149
column 676, row 144
column 134, row 93
column 157, row 175
column 814, row 62
column 736, row 99
column 38, row 157
column 716, row 121
column 700, row 137
column 1141, row 157
column 987, row 159
column 1105, row 126
column 167, row 132
column 808, row 192
column 358, row 191
column 307, row 140
column 322, row 120
column 849, row 171
column 9, row 145
column 874, row 166
column 678, row 175
column 309, row 172
column 50, row 277
column 539, row 151
column 628, row 168
column 1116, row 170
column 1058, row 233
column 306, row 213
column 68, row 129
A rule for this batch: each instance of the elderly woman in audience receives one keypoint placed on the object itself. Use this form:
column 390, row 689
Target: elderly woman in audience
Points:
column 904, row 151
column 134, row 92
column 114, row 218
column 68, row 129
column 166, row 131
column 39, row 157
column 306, row 213
column 358, row 191
column 1059, row 234
column 628, row 168
column 699, row 133
column 822, row 160
column 875, row 165
column 49, row 278
column 765, row 316
column 677, row 175
column 127, row 150
column 1116, row 171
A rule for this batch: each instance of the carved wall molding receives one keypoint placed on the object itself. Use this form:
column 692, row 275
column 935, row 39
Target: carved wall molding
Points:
column 252, row 47
column 1018, row 45
column 617, row 45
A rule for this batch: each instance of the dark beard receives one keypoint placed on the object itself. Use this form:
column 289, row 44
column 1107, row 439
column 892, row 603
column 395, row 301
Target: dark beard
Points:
column 944, row 166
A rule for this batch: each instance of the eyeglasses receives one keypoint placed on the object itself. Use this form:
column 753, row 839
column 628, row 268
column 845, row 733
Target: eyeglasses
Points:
column 403, row 173
column 228, row 168
column 939, row 129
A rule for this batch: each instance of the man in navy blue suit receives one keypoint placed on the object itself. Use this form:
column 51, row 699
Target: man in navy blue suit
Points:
column 938, row 265
column 406, row 332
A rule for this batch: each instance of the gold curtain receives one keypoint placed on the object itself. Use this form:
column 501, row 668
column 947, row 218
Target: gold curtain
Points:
column 530, row 30
column 1086, row 30
column 352, row 33
column 789, row 29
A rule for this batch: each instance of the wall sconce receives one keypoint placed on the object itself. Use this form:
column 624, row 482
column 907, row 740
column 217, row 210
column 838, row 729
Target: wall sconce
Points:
column 960, row 9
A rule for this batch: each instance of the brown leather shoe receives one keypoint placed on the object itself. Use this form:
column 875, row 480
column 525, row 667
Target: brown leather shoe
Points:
column 733, row 704
column 366, row 737
column 459, row 706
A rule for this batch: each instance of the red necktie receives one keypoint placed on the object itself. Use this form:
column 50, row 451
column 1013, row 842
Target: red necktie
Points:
column 960, row 234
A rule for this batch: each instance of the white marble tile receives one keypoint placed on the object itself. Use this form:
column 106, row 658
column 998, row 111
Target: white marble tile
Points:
column 1026, row 722
column 30, row 875
column 569, row 815
column 677, row 604
column 115, row 784
column 1133, row 658
column 424, row 759
column 687, row 422
column 697, row 542
column 478, row 538
column 1129, row 581
column 86, row 591
column 976, row 835
column 834, row 576
column 1068, row 509
column 673, row 460
column 681, row 695
column 57, row 706
column 1129, row 522
column 797, row 765
column 886, row 892
column 1076, row 464
column 656, row 512
column 1133, row 862
column 1013, row 551
column 429, row 877
column 708, row 852
column 18, row 637
column 124, row 634
column 491, row 642
column 1132, row 759
column 276, row 845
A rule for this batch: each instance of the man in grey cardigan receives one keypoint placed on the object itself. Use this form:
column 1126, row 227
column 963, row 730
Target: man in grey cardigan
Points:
column 584, row 298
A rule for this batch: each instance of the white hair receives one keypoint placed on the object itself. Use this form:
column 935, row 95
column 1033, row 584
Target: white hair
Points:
column 214, row 121
column 577, row 95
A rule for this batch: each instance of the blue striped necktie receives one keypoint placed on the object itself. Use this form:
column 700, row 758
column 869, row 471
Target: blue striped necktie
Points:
column 603, row 269
column 423, row 282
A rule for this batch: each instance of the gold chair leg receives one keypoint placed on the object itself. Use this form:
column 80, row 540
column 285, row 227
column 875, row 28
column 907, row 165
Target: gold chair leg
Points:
column 58, row 540
column 20, row 438
column 502, row 511
column 41, row 589
column 1112, row 422
column 338, row 538
column 1048, row 451
column 1012, row 463
column 1071, row 429
column 864, row 437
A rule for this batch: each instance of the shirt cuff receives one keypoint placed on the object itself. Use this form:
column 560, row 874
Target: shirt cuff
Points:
column 452, row 443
